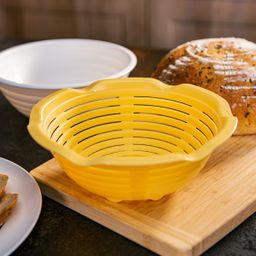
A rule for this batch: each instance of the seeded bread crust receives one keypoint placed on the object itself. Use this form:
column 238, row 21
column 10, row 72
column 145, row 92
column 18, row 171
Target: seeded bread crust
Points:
column 226, row 66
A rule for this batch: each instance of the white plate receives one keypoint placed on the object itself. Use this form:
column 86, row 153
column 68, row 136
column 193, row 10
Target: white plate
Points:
column 25, row 215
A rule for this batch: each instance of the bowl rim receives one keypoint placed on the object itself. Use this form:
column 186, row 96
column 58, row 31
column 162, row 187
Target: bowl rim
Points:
column 121, row 73
column 228, row 126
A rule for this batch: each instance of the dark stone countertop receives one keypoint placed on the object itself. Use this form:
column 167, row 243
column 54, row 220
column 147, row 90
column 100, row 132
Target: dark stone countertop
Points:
column 61, row 231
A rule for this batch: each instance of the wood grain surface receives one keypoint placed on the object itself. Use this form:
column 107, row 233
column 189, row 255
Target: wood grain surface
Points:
column 187, row 222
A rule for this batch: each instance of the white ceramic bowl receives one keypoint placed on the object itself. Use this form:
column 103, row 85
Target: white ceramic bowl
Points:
column 31, row 71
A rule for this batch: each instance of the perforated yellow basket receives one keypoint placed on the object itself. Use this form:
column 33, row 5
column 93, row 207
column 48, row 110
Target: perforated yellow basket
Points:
column 134, row 138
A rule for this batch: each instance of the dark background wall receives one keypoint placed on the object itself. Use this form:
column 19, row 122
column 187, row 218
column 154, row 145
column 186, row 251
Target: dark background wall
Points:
column 140, row 23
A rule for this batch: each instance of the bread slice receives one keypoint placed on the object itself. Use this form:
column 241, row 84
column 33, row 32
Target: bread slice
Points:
column 7, row 203
column 3, row 182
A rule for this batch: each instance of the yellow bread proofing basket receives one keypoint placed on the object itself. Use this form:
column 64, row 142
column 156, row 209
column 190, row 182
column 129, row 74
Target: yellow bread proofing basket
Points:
column 134, row 138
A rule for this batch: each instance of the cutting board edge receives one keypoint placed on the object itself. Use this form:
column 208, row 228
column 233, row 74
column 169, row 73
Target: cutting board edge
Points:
column 226, row 228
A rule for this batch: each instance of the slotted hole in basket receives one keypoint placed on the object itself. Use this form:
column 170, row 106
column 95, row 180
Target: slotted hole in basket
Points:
column 111, row 139
column 129, row 153
column 202, row 133
column 94, row 126
column 81, row 132
column 214, row 123
column 90, row 110
column 152, row 122
column 104, row 148
column 209, row 117
column 176, row 101
column 153, row 146
column 48, row 126
column 92, row 118
column 157, row 139
column 182, row 103
column 177, row 119
column 168, row 108
column 101, row 141
column 180, row 138
column 90, row 101
column 114, row 140
column 198, row 139
column 155, row 114
column 149, row 130
column 97, row 134
column 163, row 145
column 55, row 129
column 73, row 114
column 165, row 99
column 207, row 126
column 168, row 125
column 192, row 148
column 170, row 117
column 59, row 137
column 114, row 152
column 145, row 151
column 54, row 133
column 164, row 107
column 178, row 127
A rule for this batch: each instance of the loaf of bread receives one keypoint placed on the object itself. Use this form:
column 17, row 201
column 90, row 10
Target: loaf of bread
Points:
column 226, row 66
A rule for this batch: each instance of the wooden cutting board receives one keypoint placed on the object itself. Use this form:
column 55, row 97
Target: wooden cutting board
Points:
column 187, row 222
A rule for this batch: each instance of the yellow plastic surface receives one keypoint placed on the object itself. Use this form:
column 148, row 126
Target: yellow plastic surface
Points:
column 133, row 138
